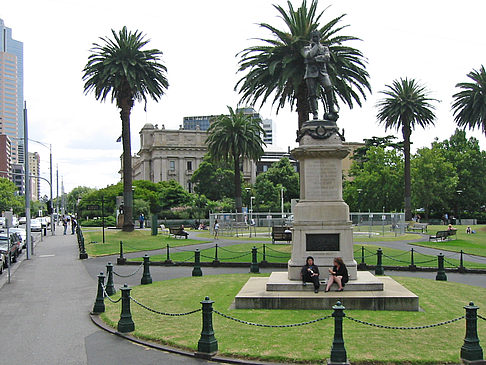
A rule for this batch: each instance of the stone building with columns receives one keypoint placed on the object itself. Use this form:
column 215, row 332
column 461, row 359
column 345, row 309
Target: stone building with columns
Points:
column 171, row 154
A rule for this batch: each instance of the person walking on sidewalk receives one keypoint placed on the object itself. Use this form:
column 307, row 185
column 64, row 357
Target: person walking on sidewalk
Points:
column 64, row 224
column 74, row 223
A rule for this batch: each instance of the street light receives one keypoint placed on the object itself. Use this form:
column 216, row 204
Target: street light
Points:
column 359, row 199
column 459, row 192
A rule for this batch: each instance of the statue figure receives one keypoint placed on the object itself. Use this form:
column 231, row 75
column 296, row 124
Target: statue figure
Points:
column 317, row 56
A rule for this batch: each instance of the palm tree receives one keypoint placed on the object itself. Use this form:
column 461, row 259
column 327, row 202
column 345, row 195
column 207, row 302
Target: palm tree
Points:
column 235, row 137
column 405, row 106
column 276, row 68
column 470, row 104
column 120, row 67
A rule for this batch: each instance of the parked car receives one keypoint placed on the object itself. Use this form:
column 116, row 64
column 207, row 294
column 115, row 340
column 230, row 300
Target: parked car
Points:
column 3, row 262
column 15, row 222
column 35, row 225
column 2, row 221
column 4, row 248
column 23, row 235
column 45, row 221
column 22, row 220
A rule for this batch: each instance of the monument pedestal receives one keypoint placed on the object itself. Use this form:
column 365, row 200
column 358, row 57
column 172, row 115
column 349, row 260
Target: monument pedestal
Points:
column 322, row 228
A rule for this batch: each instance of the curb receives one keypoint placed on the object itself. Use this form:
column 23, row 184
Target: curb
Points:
column 226, row 360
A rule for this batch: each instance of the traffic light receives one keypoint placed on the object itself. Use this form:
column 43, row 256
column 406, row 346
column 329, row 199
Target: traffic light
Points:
column 49, row 207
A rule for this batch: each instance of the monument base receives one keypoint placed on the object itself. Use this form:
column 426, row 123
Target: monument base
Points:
column 363, row 293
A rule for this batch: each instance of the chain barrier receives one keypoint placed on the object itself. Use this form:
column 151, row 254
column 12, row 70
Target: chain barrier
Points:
column 237, row 257
column 225, row 249
column 450, row 263
column 207, row 257
column 127, row 276
column 277, row 257
column 405, row 328
column 270, row 325
column 105, row 295
column 394, row 259
column 163, row 313
column 425, row 262
column 271, row 249
column 481, row 317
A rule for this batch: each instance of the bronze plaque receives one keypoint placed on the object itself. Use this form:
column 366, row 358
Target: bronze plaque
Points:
column 322, row 242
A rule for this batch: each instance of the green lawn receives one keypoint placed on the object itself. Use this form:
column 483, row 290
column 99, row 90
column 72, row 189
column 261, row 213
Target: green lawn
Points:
column 281, row 254
column 474, row 244
column 138, row 240
column 310, row 343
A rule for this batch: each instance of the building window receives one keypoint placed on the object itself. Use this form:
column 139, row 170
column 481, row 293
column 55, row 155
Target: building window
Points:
column 265, row 168
column 189, row 187
column 189, row 165
column 172, row 165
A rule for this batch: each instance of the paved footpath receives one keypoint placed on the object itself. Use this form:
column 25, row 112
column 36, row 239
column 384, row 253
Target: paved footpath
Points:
column 44, row 317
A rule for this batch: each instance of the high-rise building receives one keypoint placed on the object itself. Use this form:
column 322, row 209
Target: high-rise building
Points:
column 267, row 125
column 12, row 91
column 34, row 167
column 5, row 157
column 18, row 177
column 202, row 121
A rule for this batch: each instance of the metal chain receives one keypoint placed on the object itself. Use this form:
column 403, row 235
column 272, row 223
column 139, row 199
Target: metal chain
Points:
column 481, row 317
column 424, row 262
column 270, row 325
column 405, row 328
column 277, row 257
column 224, row 249
column 391, row 258
column 450, row 263
column 164, row 313
column 105, row 295
column 271, row 249
column 126, row 276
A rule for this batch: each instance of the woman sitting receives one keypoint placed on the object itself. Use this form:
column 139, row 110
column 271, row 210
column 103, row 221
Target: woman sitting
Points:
column 310, row 273
column 338, row 274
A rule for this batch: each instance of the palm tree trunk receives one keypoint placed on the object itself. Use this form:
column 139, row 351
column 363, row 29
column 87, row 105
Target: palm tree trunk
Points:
column 238, row 203
column 127, row 167
column 406, row 152
column 302, row 104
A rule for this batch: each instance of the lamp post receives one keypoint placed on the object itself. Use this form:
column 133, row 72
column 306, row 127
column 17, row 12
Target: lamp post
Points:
column 359, row 199
column 459, row 192
column 282, row 200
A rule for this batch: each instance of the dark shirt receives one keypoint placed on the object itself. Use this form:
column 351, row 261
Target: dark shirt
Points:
column 314, row 268
column 342, row 271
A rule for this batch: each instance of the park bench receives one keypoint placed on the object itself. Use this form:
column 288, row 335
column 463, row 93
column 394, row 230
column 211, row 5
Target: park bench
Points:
column 443, row 235
column 281, row 234
column 177, row 231
column 422, row 227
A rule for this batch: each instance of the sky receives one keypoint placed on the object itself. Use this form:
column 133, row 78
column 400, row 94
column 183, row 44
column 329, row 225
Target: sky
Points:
column 436, row 42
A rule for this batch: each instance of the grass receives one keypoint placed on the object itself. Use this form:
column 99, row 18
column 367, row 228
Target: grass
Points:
column 474, row 244
column 138, row 240
column 310, row 343
column 281, row 254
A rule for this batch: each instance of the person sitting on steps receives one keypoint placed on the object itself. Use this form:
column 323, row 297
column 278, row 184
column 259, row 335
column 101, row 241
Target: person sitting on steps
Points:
column 310, row 273
column 338, row 274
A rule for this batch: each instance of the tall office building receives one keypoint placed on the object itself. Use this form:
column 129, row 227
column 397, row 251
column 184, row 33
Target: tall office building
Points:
column 34, row 167
column 5, row 157
column 12, row 91
column 267, row 125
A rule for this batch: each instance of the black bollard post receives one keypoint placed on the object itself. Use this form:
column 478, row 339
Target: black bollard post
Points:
column 254, row 263
column 441, row 275
column 125, row 324
column 362, row 264
column 216, row 260
column 207, row 345
column 196, row 271
column 264, row 259
column 168, row 260
column 412, row 263
column 146, row 278
column 121, row 260
column 462, row 269
column 338, row 351
column 379, row 267
column 110, row 288
column 471, row 351
column 99, row 306
column 82, row 253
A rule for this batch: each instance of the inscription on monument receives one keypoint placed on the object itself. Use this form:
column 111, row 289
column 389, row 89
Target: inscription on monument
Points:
column 322, row 179
column 322, row 242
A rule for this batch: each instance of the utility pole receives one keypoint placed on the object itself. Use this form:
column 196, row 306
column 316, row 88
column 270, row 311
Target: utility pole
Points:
column 57, row 193
column 50, row 173
column 27, row 186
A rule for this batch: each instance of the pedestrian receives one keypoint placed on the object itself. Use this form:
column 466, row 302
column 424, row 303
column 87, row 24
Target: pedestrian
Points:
column 468, row 230
column 216, row 229
column 64, row 224
column 310, row 274
column 74, row 223
column 141, row 219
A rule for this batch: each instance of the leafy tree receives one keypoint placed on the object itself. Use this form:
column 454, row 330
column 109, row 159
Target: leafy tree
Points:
column 215, row 180
column 405, row 106
column 267, row 195
column 433, row 180
column 235, row 137
column 121, row 68
column 282, row 172
column 470, row 163
column 359, row 154
column 380, row 179
column 470, row 103
column 172, row 194
column 276, row 68
column 75, row 194
column 8, row 198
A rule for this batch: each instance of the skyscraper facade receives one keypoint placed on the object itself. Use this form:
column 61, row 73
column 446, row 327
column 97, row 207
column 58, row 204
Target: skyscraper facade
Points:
column 34, row 167
column 12, row 91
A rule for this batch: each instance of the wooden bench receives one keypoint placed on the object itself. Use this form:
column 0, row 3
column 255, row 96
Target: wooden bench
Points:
column 443, row 235
column 178, row 231
column 422, row 227
column 281, row 234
